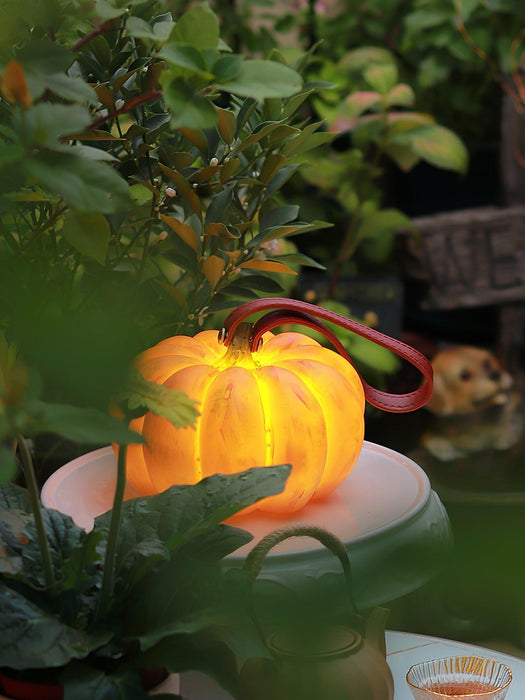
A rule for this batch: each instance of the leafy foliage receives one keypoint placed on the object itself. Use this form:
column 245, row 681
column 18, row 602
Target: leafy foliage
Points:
column 141, row 156
column 169, row 590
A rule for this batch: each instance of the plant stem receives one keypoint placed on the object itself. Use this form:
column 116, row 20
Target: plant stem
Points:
column 32, row 487
column 108, row 580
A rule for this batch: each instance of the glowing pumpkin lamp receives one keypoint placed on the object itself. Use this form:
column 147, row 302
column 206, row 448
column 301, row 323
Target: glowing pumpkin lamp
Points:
column 291, row 401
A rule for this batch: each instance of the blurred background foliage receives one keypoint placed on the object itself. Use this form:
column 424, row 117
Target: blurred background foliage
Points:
column 163, row 161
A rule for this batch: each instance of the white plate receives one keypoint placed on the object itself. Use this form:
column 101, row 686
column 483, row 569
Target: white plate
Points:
column 394, row 526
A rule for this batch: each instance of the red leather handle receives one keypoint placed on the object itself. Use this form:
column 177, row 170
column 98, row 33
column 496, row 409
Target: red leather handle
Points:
column 295, row 311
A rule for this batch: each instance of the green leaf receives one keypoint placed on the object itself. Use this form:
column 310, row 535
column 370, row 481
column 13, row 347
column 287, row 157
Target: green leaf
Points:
column 359, row 102
column 174, row 405
column 400, row 95
column 32, row 638
column 85, row 185
column 74, row 89
column 260, row 79
column 381, row 78
column 279, row 216
column 8, row 466
column 187, row 57
column 226, row 124
column 46, row 123
column 43, row 56
column 81, row 680
column 187, row 512
column 362, row 58
column 378, row 223
column 105, row 10
column 189, row 108
column 88, row 233
column 293, row 259
column 437, row 145
column 85, row 425
column 63, row 537
column 158, row 32
column 198, row 27
column 227, row 68
column 14, row 497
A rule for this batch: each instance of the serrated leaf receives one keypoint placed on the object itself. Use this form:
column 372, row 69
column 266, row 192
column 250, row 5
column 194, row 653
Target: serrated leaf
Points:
column 88, row 233
column 14, row 497
column 174, row 405
column 187, row 512
column 32, row 638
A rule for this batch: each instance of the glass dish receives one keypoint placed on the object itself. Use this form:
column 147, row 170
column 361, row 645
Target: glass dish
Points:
column 472, row 677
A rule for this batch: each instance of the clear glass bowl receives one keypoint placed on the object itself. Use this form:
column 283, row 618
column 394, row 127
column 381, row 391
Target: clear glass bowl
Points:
column 464, row 677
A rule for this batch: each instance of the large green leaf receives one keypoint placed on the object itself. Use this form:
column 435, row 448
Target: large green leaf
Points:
column 260, row 79
column 88, row 233
column 198, row 27
column 86, row 185
column 182, row 513
column 63, row 538
column 33, row 638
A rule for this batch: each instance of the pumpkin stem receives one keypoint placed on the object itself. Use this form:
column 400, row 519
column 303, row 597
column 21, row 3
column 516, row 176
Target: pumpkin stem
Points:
column 239, row 352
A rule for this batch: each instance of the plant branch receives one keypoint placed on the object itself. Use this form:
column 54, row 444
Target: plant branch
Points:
column 140, row 99
column 99, row 29
column 108, row 580
column 32, row 488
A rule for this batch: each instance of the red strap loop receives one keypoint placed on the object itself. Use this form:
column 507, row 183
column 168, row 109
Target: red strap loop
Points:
column 295, row 311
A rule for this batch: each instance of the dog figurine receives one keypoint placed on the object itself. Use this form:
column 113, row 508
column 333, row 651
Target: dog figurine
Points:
column 474, row 405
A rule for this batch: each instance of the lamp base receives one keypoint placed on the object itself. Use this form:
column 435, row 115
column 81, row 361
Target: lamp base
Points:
column 394, row 526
